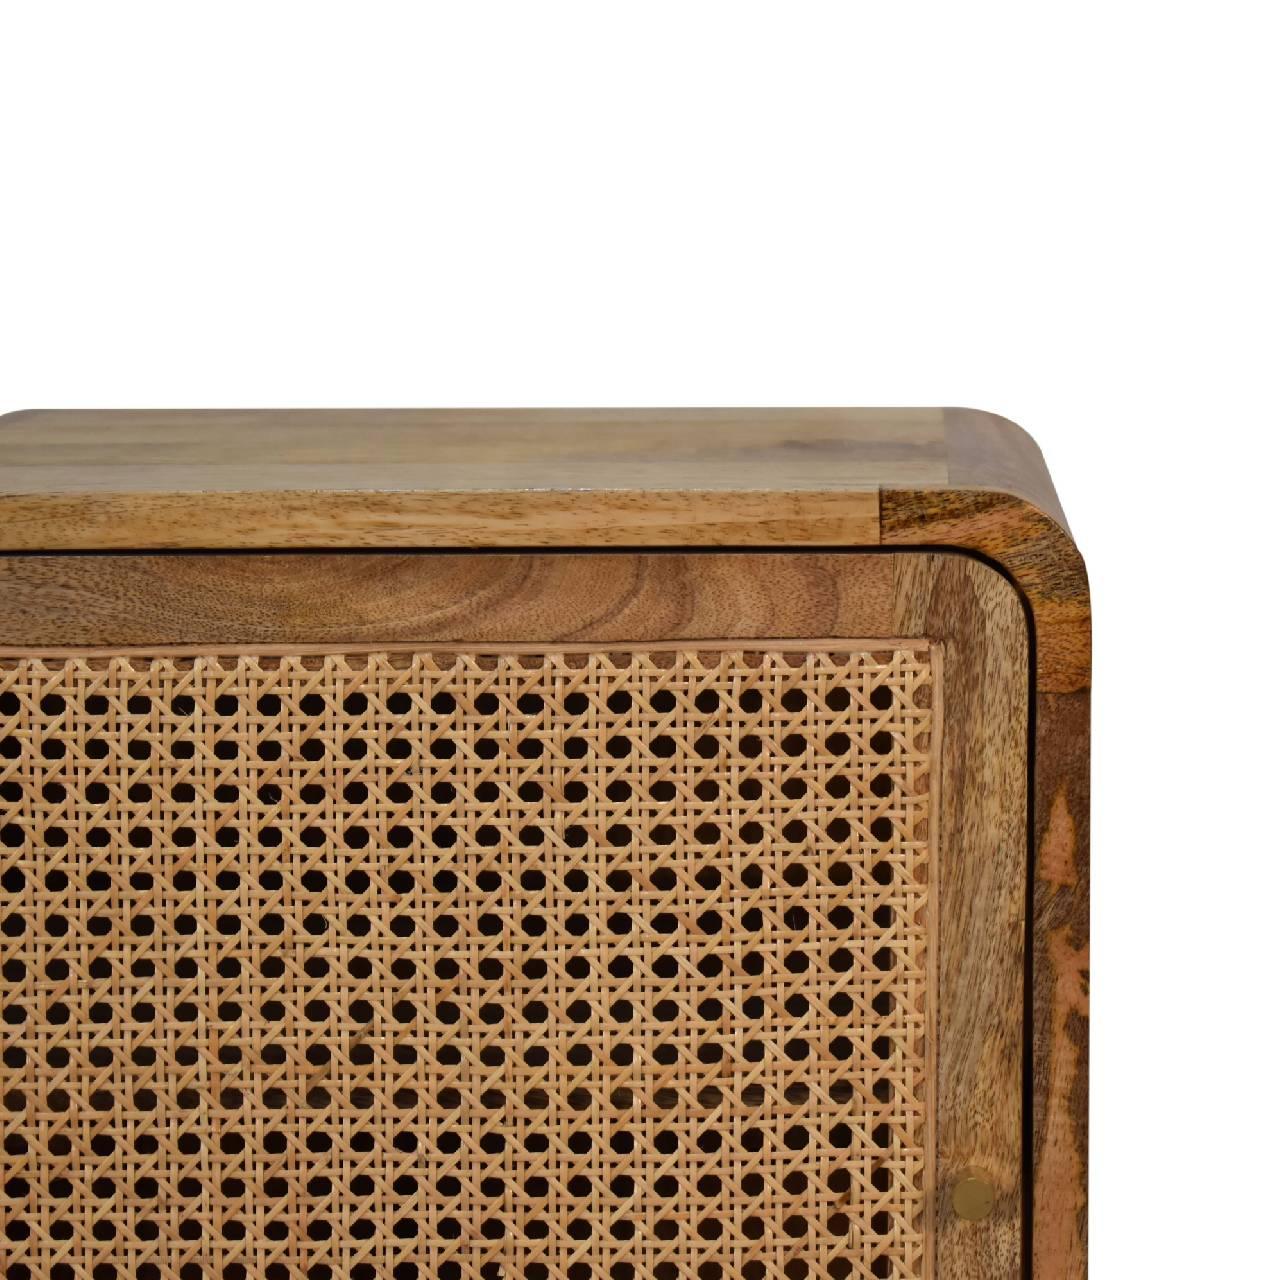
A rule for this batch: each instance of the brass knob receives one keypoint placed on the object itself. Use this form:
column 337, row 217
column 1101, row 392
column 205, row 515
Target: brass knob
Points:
column 973, row 1195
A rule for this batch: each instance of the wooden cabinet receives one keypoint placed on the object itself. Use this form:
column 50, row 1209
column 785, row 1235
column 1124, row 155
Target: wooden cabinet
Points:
column 550, row 844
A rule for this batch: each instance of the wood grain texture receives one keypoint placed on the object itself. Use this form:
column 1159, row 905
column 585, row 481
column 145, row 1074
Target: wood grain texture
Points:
column 149, row 480
column 982, row 897
column 1000, row 504
column 986, row 451
column 475, row 450
column 111, row 601
column 1060, row 986
column 830, row 478
column 406, row 478
column 123, row 601
column 1036, row 552
column 400, row 518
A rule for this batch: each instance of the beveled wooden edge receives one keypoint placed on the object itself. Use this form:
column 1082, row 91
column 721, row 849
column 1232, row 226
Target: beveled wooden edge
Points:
column 1029, row 546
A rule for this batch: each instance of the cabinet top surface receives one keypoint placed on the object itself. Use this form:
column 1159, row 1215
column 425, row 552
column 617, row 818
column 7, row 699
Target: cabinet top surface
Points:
column 206, row 478
column 501, row 450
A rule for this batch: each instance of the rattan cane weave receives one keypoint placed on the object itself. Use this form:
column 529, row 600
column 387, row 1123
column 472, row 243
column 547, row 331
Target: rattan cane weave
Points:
column 555, row 965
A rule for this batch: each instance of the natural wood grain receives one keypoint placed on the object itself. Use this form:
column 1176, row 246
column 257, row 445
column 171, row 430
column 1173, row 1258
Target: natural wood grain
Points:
column 476, row 450
column 327, row 519
column 627, row 479
column 417, row 478
column 1031, row 547
column 982, row 899
column 122, row 601
column 403, row 478
column 1060, row 1101
column 986, row 451
column 965, row 606
column 1000, row 504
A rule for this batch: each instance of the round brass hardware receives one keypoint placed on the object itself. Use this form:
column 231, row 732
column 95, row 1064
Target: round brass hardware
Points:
column 973, row 1196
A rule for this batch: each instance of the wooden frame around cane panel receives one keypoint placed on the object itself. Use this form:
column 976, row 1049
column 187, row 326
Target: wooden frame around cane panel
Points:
column 765, row 479
column 967, row 608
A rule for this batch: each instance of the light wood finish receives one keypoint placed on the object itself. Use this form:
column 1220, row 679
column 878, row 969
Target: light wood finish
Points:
column 967, row 607
column 950, row 478
column 982, row 918
column 1035, row 551
column 511, row 451
column 122, row 601
column 409, row 478
column 631, row 518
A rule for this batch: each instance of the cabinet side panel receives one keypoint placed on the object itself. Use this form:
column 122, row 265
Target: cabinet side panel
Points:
column 1060, row 1096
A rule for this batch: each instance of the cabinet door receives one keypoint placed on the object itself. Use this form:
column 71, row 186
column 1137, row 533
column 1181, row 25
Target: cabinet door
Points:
column 513, row 915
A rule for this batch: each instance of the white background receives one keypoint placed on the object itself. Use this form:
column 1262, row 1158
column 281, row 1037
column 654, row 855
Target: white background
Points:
column 1066, row 213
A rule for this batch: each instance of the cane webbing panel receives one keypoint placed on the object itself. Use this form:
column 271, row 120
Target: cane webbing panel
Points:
column 561, row 965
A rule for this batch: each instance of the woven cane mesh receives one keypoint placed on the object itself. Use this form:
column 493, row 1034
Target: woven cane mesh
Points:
column 441, row 965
